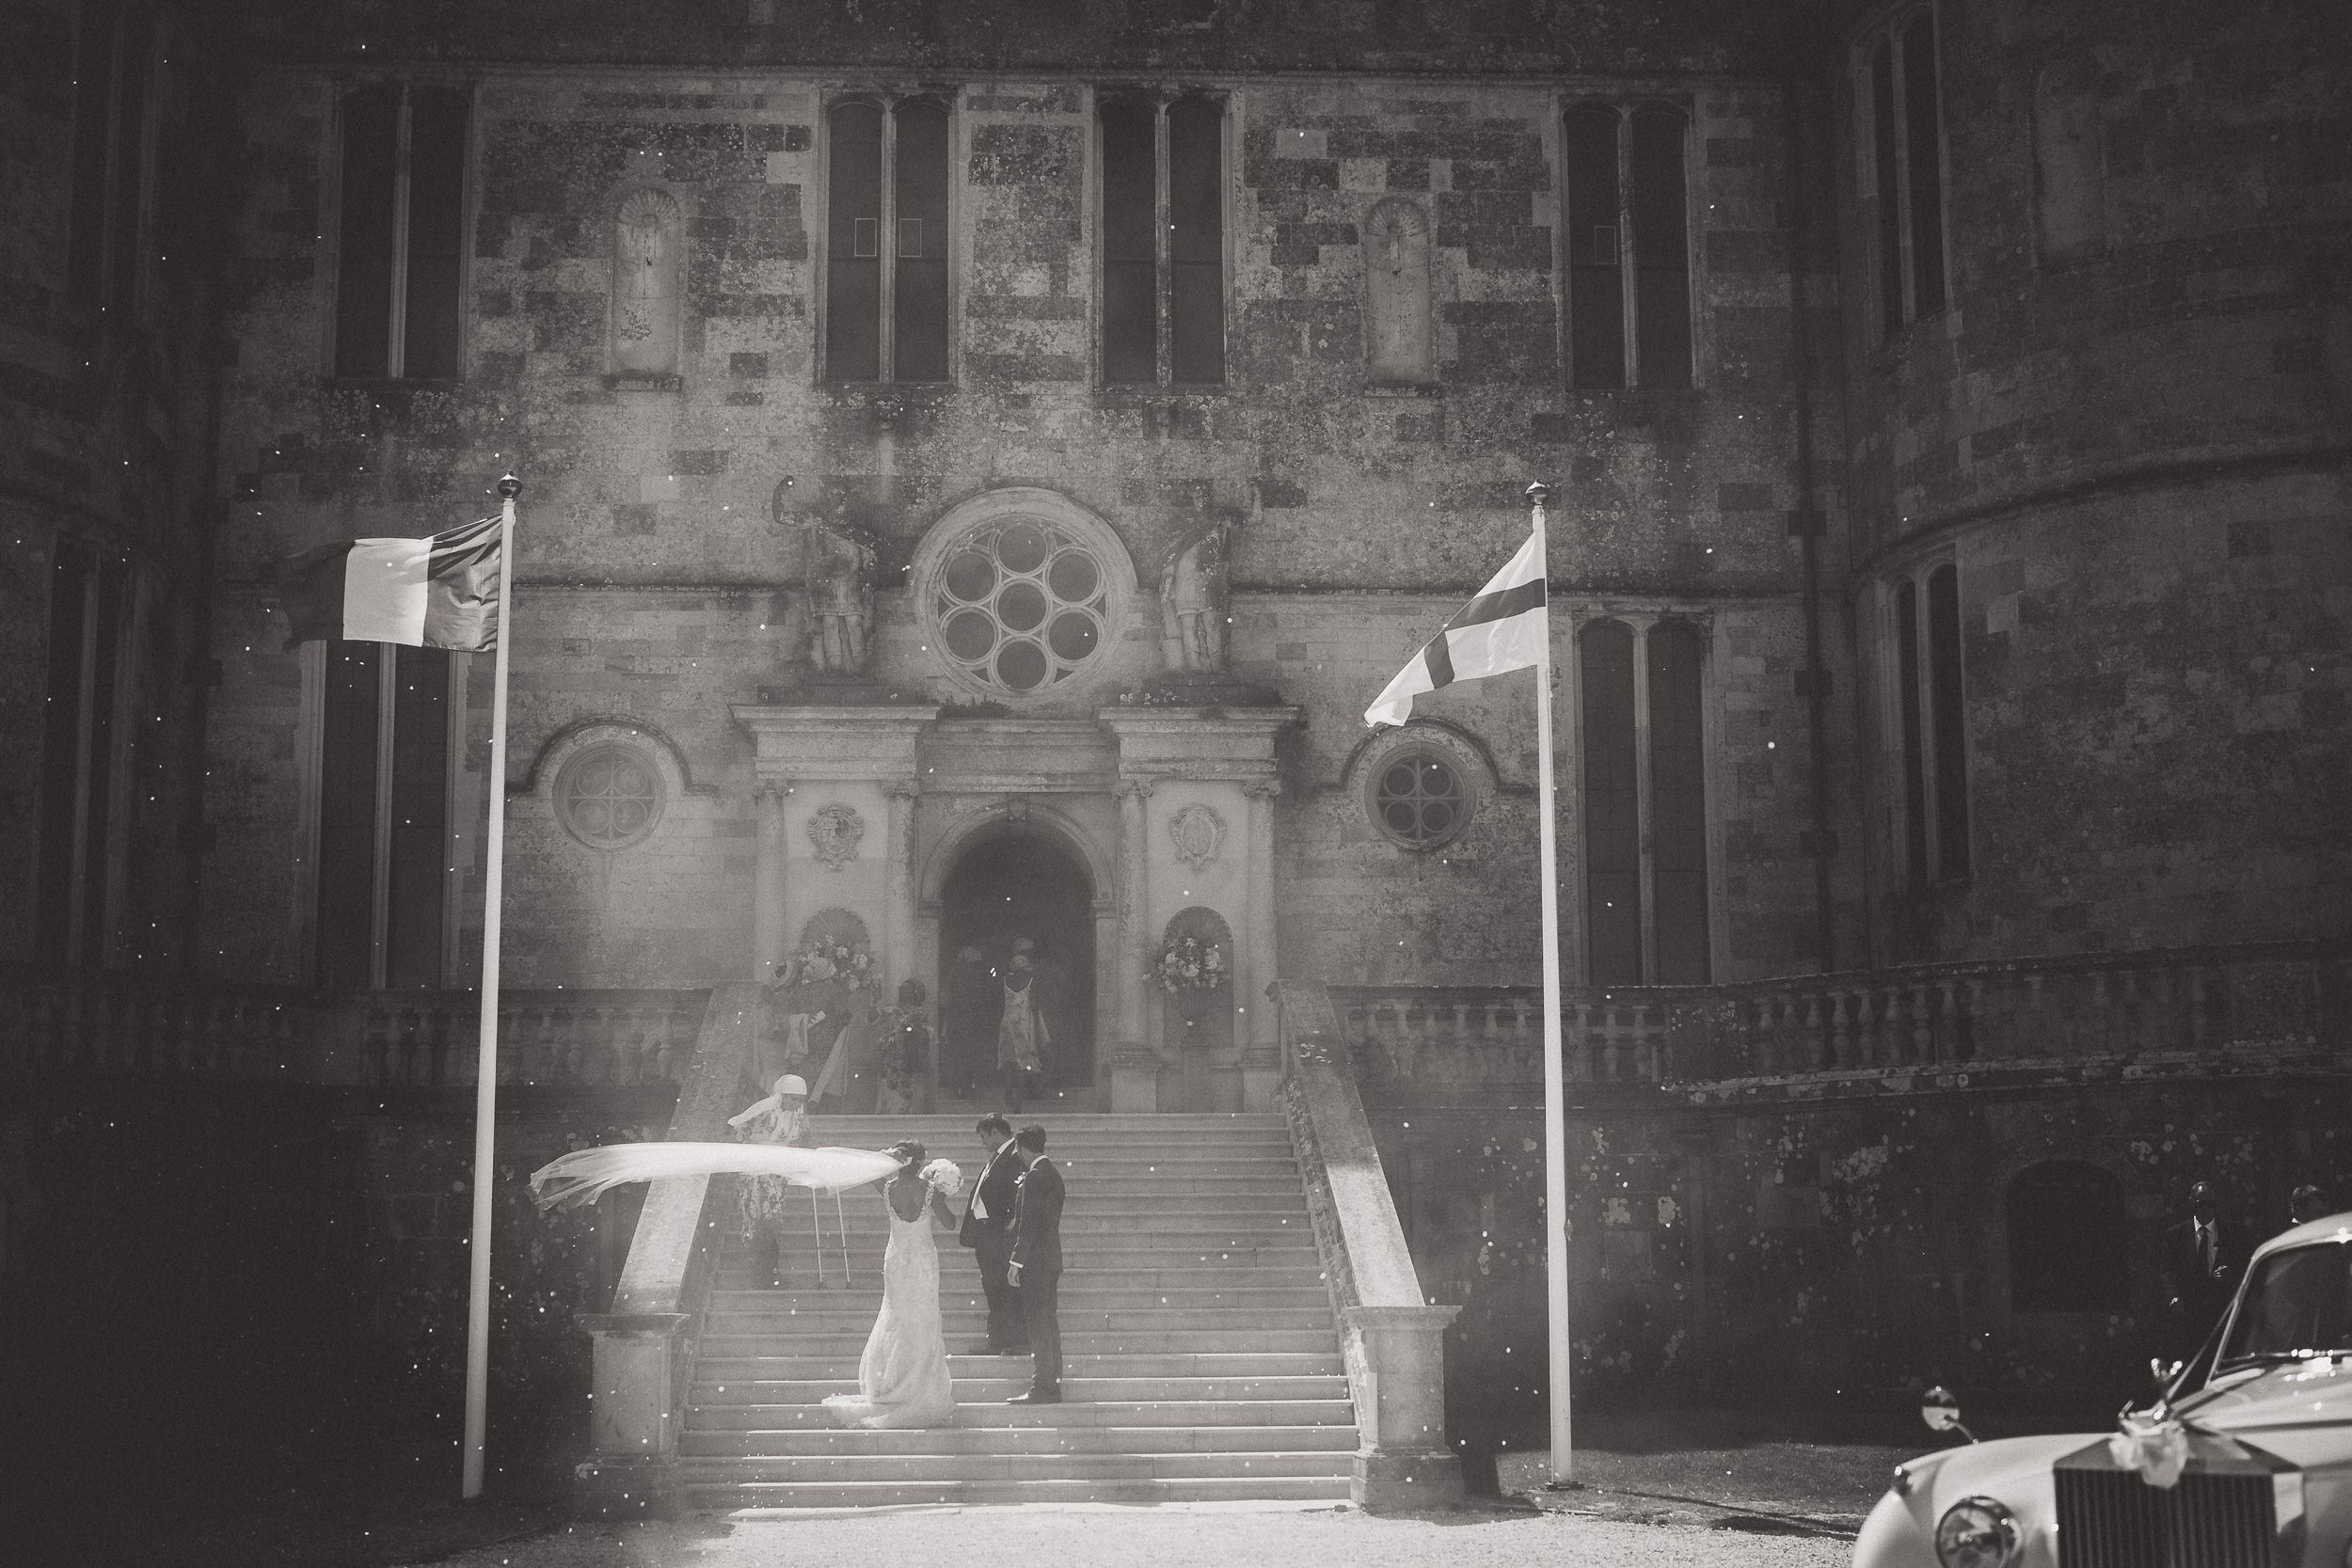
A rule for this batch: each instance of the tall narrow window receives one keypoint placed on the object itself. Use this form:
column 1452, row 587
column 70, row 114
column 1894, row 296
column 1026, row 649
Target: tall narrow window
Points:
column 1130, row 247
column 886, row 242
column 1902, row 174
column 1629, row 246
column 1163, row 158
column 1613, row 810
column 114, row 66
column 384, row 830
column 81, row 739
column 1642, row 690
column 401, row 241
column 1928, row 716
column 1677, row 774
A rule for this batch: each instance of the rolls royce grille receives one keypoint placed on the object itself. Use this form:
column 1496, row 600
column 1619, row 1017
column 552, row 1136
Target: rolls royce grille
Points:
column 2113, row 1519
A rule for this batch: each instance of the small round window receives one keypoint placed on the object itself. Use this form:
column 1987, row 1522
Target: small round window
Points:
column 609, row 796
column 1019, row 604
column 1418, row 798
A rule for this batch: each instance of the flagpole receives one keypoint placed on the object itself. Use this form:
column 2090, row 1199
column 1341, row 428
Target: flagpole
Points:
column 1555, row 1119
column 486, row 1072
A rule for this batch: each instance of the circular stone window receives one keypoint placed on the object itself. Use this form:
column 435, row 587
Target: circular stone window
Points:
column 609, row 796
column 1018, row 605
column 1419, row 797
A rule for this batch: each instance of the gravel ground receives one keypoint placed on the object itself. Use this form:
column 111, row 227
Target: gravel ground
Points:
column 1203, row 1537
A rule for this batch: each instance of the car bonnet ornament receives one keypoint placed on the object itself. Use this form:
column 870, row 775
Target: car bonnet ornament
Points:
column 2154, row 1446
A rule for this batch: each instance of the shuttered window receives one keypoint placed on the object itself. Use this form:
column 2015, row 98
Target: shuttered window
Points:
column 81, row 745
column 383, row 858
column 1640, row 696
column 887, row 285
column 1162, row 301
column 1629, row 246
column 400, row 240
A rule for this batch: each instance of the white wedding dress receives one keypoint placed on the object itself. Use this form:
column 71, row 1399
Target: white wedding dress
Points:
column 903, row 1378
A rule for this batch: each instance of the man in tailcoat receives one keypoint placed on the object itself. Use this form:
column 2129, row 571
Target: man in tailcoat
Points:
column 1036, row 1270
column 987, row 1229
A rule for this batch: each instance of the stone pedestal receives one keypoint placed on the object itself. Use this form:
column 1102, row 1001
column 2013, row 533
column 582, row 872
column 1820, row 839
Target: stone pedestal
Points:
column 632, row 1473
column 1134, row 1079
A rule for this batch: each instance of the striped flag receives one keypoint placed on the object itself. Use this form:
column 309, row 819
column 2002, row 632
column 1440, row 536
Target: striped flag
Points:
column 436, row 592
column 1503, row 628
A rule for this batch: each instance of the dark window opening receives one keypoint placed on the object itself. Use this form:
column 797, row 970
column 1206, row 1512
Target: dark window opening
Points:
column 93, row 118
column 1914, row 741
column 854, row 248
column 1890, row 220
column 400, row 239
column 1595, row 278
column 1661, row 250
column 1678, row 804
column 1951, row 724
column 919, row 304
column 1629, row 246
column 2068, row 1248
column 1183, row 283
column 1195, row 241
column 384, row 828
column 1922, row 121
column 1613, row 861
column 114, row 66
column 61, row 793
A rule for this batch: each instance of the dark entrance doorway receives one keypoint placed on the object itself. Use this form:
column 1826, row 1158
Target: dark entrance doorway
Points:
column 1020, row 884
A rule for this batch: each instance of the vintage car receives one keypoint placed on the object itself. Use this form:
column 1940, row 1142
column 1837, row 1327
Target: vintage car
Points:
column 2244, row 1461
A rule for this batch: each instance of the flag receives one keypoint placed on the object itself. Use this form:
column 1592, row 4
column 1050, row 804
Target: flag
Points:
column 436, row 592
column 1503, row 628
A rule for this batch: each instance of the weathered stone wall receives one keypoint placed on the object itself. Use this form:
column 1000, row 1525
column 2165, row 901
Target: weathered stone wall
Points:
column 662, row 506
column 1839, row 1252
column 2128, row 430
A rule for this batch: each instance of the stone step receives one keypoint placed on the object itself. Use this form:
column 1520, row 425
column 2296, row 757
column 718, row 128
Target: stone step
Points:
column 1083, row 1293
column 777, row 1403
column 836, row 1446
column 715, row 1495
column 947, row 1465
column 1077, row 1370
column 1168, row 1124
column 1303, row 1272
column 791, row 1323
column 1076, row 1341
column 1140, row 1224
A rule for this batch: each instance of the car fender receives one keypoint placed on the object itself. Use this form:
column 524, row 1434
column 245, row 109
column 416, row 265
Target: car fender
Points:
column 2013, row 1471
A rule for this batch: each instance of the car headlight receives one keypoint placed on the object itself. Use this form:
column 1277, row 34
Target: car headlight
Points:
column 1976, row 1533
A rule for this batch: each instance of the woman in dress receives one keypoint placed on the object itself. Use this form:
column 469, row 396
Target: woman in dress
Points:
column 902, row 1379
column 780, row 1120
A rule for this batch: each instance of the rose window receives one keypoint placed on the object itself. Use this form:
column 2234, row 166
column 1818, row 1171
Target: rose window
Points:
column 1019, row 604
column 609, row 796
column 1420, row 800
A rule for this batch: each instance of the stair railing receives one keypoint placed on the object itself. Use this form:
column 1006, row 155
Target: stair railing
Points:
column 644, row 1347
column 1392, row 1336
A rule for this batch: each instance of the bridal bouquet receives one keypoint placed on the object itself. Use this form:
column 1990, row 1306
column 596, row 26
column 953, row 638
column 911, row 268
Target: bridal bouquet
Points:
column 943, row 1176
column 1186, row 964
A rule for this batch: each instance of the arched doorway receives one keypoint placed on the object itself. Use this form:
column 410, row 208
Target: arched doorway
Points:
column 1006, row 887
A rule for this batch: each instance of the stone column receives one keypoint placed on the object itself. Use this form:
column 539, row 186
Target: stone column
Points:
column 897, row 932
column 1135, row 1068
column 1260, row 1040
column 768, row 935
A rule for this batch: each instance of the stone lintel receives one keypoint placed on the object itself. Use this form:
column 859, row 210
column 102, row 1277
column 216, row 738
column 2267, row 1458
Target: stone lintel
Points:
column 841, row 743
column 1197, row 743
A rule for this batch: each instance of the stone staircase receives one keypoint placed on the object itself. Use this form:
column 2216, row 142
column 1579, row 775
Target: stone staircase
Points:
column 1200, row 1355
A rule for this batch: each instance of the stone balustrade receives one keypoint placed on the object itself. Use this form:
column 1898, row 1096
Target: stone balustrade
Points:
column 1483, row 1043
column 122, row 1026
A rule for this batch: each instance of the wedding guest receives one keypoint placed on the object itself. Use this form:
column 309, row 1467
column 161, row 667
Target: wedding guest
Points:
column 782, row 1119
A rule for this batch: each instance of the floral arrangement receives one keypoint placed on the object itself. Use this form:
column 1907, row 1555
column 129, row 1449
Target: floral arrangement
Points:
column 944, row 1177
column 853, row 967
column 1186, row 964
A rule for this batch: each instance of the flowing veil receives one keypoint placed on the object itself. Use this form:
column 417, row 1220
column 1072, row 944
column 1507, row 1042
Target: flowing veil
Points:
column 583, row 1174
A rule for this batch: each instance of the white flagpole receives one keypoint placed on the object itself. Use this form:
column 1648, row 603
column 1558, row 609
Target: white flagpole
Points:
column 1555, row 1119
column 486, row 1073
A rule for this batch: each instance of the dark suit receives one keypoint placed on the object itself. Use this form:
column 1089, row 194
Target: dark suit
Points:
column 1036, row 1250
column 998, row 1192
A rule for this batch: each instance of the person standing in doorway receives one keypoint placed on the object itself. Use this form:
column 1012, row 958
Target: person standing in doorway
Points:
column 1036, row 1267
column 1023, row 1037
column 2200, row 1282
column 987, row 1229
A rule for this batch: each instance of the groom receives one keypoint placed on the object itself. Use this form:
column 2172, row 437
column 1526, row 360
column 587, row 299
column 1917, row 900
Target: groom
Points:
column 987, row 1229
column 1036, row 1270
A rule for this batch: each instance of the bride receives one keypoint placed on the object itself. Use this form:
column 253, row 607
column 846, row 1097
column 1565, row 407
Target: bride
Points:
column 903, row 1378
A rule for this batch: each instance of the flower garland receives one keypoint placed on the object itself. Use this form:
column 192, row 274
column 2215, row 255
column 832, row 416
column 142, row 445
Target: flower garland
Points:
column 1187, row 964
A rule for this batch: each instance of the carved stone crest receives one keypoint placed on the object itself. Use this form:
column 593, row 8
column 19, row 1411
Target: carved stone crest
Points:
column 833, row 831
column 1199, row 833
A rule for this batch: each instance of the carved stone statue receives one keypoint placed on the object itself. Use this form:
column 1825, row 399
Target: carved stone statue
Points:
column 646, row 284
column 1396, row 283
column 1193, row 602
column 840, row 578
